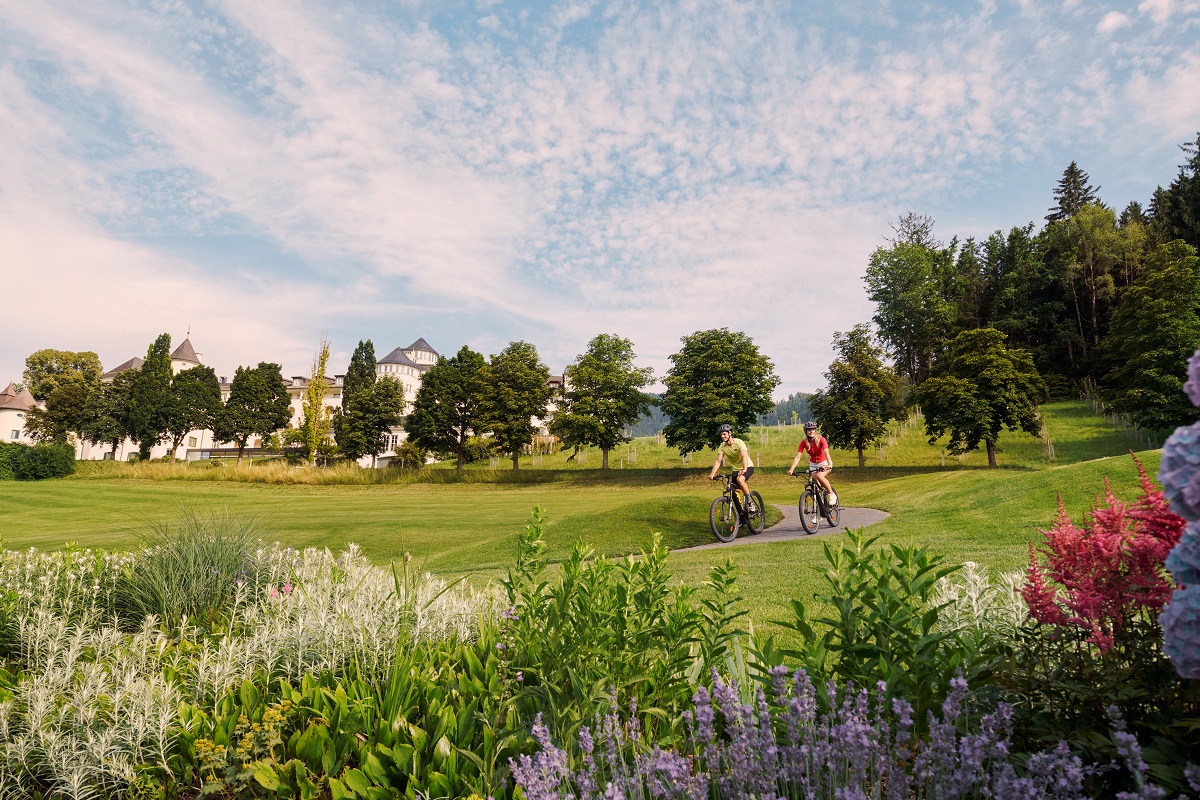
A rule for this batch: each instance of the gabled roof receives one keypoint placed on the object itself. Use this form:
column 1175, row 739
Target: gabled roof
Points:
column 185, row 352
column 398, row 356
column 133, row 363
column 421, row 344
column 11, row 398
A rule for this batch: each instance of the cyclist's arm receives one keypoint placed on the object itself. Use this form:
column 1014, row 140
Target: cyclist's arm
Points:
column 717, row 464
column 746, row 462
column 795, row 462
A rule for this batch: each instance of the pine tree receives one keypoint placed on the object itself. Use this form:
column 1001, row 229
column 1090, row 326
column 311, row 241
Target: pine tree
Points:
column 1073, row 193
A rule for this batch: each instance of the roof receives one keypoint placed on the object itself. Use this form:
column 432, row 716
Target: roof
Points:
column 398, row 356
column 133, row 363
column 421, row 344
column 185, row 352
column 20, row 400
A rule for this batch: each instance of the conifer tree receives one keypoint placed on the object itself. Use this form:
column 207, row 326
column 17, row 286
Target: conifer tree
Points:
column 1073, row 193
column 360, row 375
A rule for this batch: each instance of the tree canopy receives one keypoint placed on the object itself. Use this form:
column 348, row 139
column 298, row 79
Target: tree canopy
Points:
column 361, row 429
column 195, row 403
column 516, row 392
column 1072, row 194
column 315, row 418
column 718, row 376
column 862, row 395
column 258, row 405
column 44, row 369
column 446, row 410
column 150, row 397
column 106, row 416
column 982, row 387
column 603, row 395
column 360, row 375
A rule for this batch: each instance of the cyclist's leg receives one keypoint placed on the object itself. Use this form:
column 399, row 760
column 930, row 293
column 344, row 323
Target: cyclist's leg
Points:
column 741, row 480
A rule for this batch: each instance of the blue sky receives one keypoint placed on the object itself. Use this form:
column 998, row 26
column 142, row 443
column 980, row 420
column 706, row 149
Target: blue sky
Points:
column 269, row 173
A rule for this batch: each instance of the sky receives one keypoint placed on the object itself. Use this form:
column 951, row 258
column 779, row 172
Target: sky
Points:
column 266, row 174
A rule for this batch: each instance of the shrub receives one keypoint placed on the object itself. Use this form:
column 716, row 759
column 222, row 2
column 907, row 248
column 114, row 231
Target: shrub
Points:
column 10, row 454
column 192, row 566
column 44, row 461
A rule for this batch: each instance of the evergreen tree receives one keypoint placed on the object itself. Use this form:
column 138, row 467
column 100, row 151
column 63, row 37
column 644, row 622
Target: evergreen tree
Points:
column 863, row 394
column 517, row 391
column 1178, row 208
column 195, row 402
column 360, row 375
column 717, row 377
column 446, row 411
column 150, row 397
column 981, row 388
column 1154, row 332
column 258, row 405
column 1132, row 213
column 1086, row 251
column 603, row 395
column 1072, row 194
column 106, row 416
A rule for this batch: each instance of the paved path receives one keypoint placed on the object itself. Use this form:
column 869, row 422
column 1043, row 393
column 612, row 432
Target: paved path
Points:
column 789, row 527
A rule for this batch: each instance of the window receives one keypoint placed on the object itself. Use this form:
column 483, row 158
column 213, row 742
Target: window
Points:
column 16, row 435
column 191, row 441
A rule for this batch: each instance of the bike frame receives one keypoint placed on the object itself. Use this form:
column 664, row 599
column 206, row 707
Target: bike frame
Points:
column 733, row 491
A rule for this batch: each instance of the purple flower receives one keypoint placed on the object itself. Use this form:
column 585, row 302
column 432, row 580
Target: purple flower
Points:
column 1180, row 621
column 1183, row 561
column 1192, row 387
column 1179, row 471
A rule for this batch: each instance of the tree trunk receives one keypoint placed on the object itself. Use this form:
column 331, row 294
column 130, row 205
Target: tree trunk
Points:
column 862, row 460
column 241, row 447
column 516, row 457
column 991, row 451
column 603, row 458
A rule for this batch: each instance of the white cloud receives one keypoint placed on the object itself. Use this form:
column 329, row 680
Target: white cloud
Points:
column 1113, row 21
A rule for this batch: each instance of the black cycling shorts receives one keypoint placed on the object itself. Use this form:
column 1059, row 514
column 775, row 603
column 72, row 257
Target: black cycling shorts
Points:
column 749, row 471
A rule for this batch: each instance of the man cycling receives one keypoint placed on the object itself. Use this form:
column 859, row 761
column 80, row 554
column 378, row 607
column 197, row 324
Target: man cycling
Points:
column 818, row 456
column 733, row 452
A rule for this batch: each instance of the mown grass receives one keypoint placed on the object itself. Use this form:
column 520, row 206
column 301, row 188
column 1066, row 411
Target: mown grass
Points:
column 466, row 524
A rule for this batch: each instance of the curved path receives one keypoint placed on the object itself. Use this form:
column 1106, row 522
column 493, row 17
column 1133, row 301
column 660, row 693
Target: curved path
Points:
column 789, row 527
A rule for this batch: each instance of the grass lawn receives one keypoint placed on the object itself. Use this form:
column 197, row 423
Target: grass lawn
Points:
column 467, row 525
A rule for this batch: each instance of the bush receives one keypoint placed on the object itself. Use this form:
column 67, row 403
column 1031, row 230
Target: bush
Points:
column 10, row 454
column 192, row 566
column 44, row 461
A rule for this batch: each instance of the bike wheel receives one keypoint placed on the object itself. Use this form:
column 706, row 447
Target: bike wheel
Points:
column 723, row 519
column 758, row 517
column 833, row 512
column 810, row 516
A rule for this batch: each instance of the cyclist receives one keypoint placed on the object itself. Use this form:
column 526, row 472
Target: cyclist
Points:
column 818, row 456
column 733, row 452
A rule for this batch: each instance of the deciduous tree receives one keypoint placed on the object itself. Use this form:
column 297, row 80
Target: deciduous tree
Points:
column 64, row 381
column 316, row 420
column 106, row 416
column 373, row 412
column 862, row 396
column 603, row 394
column 1154, row 333
column 258, row 405
column 195, row 402
column 718, row 376
column 516, row 391
column 446, row 410
column 982, row 388
column 45, row 368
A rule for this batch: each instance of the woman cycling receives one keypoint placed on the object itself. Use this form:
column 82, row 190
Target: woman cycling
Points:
column 818, row 456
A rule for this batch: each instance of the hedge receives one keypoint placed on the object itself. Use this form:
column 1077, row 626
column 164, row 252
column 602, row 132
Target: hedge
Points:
column 25, row 463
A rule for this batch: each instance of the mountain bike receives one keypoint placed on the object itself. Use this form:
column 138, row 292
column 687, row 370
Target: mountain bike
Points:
column 727, row 513
column 814, row 504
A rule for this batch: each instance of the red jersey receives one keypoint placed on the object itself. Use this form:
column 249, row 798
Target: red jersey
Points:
column 818, row 451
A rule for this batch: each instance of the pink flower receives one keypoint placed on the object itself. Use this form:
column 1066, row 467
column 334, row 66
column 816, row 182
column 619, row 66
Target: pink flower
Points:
column 287, row 588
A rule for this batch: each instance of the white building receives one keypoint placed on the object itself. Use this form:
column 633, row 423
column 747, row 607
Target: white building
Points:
column 14, row 405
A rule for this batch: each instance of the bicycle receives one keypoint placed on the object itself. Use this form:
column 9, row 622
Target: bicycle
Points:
column 727, row 514
column 814, row 504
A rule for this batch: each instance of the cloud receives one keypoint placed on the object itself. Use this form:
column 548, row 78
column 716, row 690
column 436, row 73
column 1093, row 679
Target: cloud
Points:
column 1113, row 21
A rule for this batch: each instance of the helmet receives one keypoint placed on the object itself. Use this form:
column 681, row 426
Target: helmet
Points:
column 810, row 426
column 725, row 427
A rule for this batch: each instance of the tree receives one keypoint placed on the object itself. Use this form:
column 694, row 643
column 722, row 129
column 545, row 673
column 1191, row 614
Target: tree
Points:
column 360, row 375
column 106, row 416
column 150, row 397
column 717, row 377
column 446, row 410
column 915, row 288
column 983, row 387
column 1154, row 333
column 863, row 394
column 195, row 402
column 258, row 405
column 316, row 420
column 1072, row 194
column 603, row 395
column 373, row 412
column 517, row 391
column 45, row 368
column 1177, row 209
column 1087, row 247
column 64, row 409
